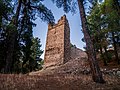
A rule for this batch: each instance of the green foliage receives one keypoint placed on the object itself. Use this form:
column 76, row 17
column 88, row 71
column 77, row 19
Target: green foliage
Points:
column 36, row 52
column 29, row 59
column 16, row 27
column 45, row 14
column 103, row 23
column 67, row 5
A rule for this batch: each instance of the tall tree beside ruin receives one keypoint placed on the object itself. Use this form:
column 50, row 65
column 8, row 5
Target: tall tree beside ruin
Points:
column 96, row 73
column 11, row 38
column 21, row 25
column 98, row 34
column 5, row 16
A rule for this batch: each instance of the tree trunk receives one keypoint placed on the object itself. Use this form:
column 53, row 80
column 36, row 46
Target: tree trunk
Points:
column 106, row 58
column 101, row 50
column 102, row 55
column 0, row 21
column 115, row 48
column 96, row 73
column 11, row 39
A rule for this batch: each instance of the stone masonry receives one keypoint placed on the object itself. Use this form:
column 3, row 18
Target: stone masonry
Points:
column 57, row 49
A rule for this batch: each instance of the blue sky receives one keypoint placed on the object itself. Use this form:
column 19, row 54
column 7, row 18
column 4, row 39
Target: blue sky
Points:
column 74, row 22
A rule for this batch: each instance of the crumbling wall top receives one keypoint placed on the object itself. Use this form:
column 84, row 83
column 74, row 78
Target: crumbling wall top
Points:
column 62, row 20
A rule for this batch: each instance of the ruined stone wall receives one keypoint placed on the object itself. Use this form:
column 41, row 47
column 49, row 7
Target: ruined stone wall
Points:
column 57, row 49
column 67, row 44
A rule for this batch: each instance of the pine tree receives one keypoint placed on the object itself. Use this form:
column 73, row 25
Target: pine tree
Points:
column 18, row 30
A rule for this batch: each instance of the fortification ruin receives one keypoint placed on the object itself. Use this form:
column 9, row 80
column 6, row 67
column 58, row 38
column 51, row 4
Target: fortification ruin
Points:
column 57, row 49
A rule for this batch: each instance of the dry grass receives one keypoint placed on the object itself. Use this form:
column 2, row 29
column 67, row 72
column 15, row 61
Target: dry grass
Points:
column 56, row 82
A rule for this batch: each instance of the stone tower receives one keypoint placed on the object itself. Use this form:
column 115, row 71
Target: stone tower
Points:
column 57, row 49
